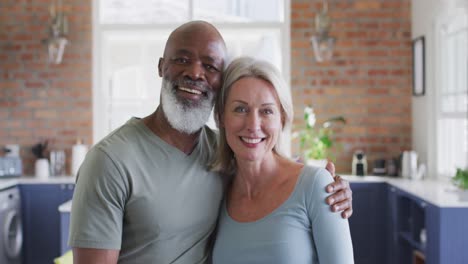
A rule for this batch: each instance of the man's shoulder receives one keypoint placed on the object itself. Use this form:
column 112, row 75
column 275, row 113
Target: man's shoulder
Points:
column 121, row 138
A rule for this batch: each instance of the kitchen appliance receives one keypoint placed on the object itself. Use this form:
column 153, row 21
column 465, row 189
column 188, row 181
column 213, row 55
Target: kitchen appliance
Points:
column 359, row 165
column 392, row 166
column 10, row 167
column 11, row 150
column 11, row 164
column 11, row 232
column 409, row 164
column 379, row 168
column 57, row 162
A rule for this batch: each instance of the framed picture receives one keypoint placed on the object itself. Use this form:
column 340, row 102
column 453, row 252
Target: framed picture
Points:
column 418, row 66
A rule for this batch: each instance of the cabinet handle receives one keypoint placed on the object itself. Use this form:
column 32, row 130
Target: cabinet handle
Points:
column 392, row 189
column 62, row 186
column 423, row 204
column 71, row 187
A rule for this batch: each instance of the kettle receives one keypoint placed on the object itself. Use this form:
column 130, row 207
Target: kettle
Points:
column 409, row 164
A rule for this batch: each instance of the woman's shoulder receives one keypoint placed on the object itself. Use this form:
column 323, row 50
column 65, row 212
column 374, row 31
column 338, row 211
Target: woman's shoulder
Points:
column 312, row 175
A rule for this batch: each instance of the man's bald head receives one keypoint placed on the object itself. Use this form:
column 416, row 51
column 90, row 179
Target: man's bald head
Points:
column 203, row 29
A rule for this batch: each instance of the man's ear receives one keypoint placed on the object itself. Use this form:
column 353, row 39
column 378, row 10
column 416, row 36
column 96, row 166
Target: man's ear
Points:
column 160, row 65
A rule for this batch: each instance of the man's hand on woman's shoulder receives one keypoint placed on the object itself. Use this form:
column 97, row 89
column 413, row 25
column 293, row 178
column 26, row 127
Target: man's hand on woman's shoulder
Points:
column 341, row 198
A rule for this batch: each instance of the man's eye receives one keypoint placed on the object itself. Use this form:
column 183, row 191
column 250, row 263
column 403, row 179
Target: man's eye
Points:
column 211, row 68
column 181, row 60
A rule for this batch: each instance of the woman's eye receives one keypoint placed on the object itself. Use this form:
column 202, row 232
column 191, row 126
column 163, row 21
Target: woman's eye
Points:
column 240, row 109
column 268, row 111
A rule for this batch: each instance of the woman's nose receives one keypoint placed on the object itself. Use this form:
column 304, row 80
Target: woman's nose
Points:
column 253, row 122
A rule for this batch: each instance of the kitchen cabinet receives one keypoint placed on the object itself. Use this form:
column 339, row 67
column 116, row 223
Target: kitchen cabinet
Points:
column 421, row 228
column 368, row 223
column 41, row 220
column 64, row 226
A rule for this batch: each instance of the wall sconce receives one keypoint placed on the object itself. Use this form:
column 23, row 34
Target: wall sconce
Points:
column 322, row 43
column 58, row 29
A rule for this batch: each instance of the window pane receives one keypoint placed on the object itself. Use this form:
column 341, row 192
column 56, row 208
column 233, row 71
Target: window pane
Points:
column 452, row 145
column 452, row 123
column 143, row 11
column 239, row 10
column 261, row 43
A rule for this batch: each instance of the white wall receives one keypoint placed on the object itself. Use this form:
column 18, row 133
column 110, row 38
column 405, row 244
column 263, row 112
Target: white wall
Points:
column 423, row 17
column 424, row 14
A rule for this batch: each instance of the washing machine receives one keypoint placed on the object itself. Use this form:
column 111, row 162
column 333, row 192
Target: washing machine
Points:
column 11, row 234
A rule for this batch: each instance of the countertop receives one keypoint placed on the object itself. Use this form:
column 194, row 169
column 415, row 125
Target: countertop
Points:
column 436, row 192
column 6, row 183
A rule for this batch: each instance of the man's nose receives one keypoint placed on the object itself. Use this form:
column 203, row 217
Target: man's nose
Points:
column 195, row 71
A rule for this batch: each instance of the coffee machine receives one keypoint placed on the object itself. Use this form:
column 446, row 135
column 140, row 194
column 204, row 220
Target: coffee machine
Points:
column 359, row 165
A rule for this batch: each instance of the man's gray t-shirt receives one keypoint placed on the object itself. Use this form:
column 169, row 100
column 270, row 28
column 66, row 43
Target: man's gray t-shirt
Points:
column 302, row 230
column 137, row 194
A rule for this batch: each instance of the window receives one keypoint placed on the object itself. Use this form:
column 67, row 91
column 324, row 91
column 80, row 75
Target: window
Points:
column 129, row 39
column 452, row 97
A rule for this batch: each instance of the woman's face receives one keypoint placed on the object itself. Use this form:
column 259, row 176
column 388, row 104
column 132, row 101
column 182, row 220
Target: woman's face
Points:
column 252, row 119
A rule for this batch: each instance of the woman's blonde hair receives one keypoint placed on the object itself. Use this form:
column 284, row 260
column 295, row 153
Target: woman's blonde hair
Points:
column 239, row 68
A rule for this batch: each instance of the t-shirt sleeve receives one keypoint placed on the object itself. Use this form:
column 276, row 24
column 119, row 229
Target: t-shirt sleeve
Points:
column 98, row 203
column 330, row 232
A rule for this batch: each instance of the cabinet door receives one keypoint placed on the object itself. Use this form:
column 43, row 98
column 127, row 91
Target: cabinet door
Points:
column 67, row 191
column 41, row 221
column 392, row 233
column 368, row 224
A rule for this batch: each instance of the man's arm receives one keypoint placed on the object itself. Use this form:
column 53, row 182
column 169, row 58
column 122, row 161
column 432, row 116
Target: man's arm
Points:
column 342, row 197
column 95, row 256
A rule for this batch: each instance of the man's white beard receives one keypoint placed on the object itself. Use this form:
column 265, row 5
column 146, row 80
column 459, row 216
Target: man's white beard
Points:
column 184, row 115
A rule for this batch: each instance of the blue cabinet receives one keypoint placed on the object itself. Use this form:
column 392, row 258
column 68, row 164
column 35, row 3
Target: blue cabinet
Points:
column 368, row 224
column 41, row 220
column 409, row 228
column 418, row 228
column 64, row 231
column 447, row 237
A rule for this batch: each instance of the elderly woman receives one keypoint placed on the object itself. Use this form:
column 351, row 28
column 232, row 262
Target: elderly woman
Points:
column 274, row 210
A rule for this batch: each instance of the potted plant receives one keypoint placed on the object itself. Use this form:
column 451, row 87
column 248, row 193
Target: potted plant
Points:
column 461, row 181
column 315, row 141
column 41, row 166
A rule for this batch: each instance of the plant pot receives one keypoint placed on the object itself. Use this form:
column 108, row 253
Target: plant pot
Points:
column 321, row 163
column 41, row 168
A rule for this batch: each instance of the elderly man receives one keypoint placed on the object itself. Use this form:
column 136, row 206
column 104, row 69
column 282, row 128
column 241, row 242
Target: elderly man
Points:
column 144, row 193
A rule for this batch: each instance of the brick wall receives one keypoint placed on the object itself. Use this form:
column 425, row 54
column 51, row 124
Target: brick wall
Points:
column 368, row 81
column 37, row 100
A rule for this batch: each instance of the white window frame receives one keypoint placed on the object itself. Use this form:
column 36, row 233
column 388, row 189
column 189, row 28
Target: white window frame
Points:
column 441, row 22
column 100, row 117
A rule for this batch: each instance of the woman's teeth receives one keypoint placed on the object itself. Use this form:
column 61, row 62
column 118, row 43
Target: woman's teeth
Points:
column 251, row 140
column 188, row 90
